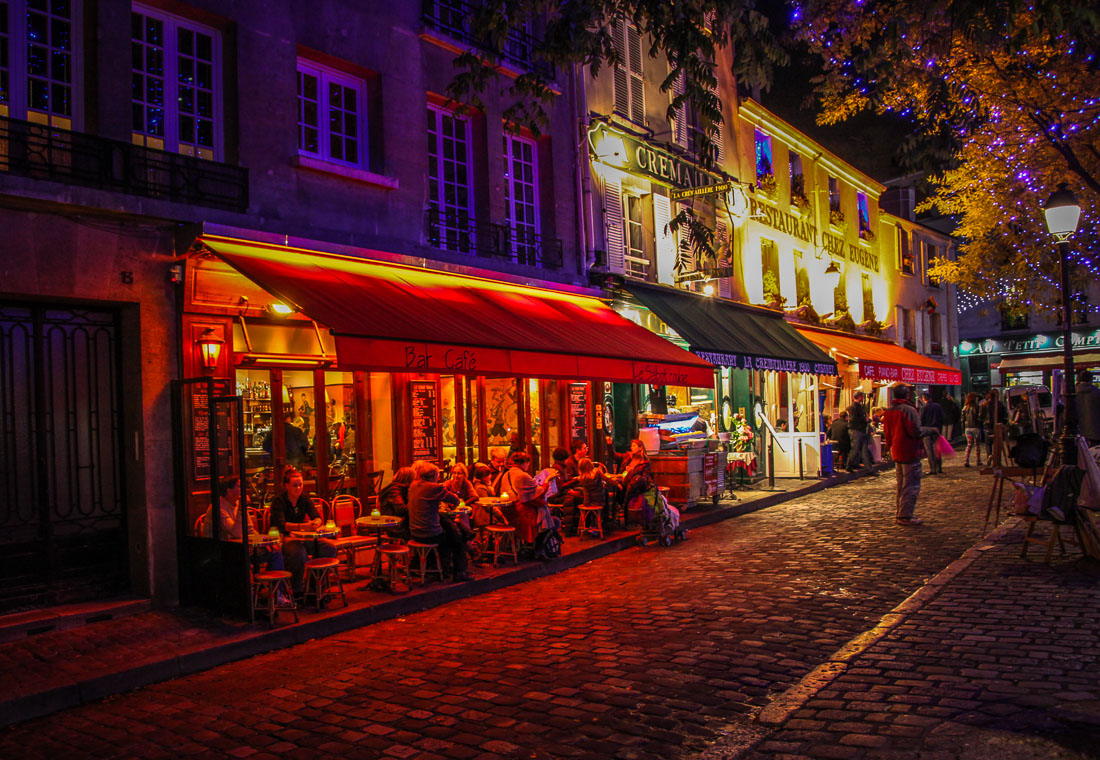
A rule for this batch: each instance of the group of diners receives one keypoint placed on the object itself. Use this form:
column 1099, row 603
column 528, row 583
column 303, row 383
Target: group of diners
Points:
column 506, row 494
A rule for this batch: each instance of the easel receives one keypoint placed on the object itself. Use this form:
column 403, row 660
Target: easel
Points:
column 1001, row 473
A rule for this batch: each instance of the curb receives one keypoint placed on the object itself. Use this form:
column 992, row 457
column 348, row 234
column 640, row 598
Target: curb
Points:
column 795, row 697
column 42, row 703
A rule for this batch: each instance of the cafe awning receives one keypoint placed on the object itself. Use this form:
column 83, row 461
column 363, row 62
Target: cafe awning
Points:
column 1048, row 360
column 882, row 360
column 732, row 334
column 408, row 319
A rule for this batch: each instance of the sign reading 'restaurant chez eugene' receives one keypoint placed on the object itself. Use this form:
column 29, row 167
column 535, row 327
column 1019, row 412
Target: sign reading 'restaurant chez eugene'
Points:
column 803, row 230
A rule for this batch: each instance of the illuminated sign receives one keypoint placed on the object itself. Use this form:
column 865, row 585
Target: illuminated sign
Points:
column 836, row 246
column 748, row 361
column 782, row 221
column 691, row 192
column 1027, row 344
column 614, row 148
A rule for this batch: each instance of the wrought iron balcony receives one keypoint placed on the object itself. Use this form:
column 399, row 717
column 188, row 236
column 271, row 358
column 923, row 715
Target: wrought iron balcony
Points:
column 75, row 158
column 452, row 17
column 451, row 231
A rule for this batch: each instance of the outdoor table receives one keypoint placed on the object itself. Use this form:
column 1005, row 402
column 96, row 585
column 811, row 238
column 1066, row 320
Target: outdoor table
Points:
column 314, row 536
column 377, row 523
column 455, row 511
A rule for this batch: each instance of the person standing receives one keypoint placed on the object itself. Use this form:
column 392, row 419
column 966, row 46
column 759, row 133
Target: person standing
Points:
column 972, row 425
column 951, row 416
column 1088, row 408
column 901, row 432
column 931, row 416
column 838, row 431
column 858, row 429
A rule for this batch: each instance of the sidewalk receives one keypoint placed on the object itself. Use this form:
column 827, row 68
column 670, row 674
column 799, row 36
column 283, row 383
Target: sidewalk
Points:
column 64, row 668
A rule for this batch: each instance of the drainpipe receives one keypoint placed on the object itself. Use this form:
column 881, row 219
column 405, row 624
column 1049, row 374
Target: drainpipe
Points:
column 584, row 178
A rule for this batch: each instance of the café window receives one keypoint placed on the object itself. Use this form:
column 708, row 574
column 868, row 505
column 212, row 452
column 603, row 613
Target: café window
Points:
column 935, row 333
column 905, row 252
column 450, row 180
column 864, row 210
column 629, row 82
column 769, row 268
column 765, row 168
column 40, row 61
column 331, row 115
column 834, row 194
column 907, row 328
column 175, row 95
column 634, row 214
column 521, row 198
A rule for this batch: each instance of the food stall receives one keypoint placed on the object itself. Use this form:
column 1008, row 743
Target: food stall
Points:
column 685, row 461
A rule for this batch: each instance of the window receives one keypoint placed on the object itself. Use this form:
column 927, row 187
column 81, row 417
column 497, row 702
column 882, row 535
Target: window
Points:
column 930, row 252
column 331, row 115
column 864, row 210
column 765, row 168
column 1014, row 317
column 175, row 96
column 905, row 252
column 769, row 268
column 907, row 328
column 798, row 181
column 450, row 191
column 629, row 79
column 834, row 194
column 935, row 329
column 39, row 61
column 521, row 198
column 633, row 214
column 801, row 280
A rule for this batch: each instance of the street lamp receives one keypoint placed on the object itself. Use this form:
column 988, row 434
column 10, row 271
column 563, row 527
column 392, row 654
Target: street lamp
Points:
column 1062, row 212
column 832, row 275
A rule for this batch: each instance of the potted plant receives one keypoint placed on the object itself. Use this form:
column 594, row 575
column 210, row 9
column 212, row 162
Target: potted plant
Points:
column 872, row 327
column 766, row 184
column 772, row 296
column 836, row 217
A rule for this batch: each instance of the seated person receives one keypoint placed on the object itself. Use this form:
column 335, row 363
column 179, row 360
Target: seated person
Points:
column 578, row 451
column 485, row 514
column 498, row 460
column 593, row 484
column 229, row 491
column 782, row 426
column 292, row 510
column 459, row 484
column 526, row 496
column 394, row 500
column 568, row 496
column 425, row 524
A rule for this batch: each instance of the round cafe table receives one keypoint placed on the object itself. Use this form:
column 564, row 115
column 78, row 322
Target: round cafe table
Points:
column 377, row 523
column 314, row 536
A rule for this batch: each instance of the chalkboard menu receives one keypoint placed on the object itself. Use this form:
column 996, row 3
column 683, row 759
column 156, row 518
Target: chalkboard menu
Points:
column 425, row 436
column 578, row 411
column 200, row 429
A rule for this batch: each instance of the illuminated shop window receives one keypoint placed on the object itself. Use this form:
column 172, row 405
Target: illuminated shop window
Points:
column 864, row 210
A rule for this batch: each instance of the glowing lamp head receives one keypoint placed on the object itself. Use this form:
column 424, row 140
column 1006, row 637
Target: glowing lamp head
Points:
column 832, row 275
column 210, row 347
column 1062, row 212
column 280, row 308
column 708, row 289
column 610, row 149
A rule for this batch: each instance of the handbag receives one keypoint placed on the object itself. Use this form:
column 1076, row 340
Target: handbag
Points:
column 943, row 448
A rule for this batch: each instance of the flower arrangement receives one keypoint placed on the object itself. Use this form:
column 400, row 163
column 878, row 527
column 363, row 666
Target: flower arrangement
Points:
column 741, row 435
column 766, row 184
column 837, row 218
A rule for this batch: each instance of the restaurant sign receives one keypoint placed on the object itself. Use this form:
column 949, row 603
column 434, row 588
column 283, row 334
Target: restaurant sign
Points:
column 782, row 221
column 1028, row 344
column 748, row 361
column 836, row 246
column 618, row 149
column 897, row 373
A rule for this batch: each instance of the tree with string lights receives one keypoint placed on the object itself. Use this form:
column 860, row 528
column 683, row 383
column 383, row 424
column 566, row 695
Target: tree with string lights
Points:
column 1002, row 95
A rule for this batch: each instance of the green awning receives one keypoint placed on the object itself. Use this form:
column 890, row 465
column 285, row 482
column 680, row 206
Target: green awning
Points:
column 732, row 334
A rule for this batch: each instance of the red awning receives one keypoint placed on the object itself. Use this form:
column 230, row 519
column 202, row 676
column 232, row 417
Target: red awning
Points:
column 881, row 360
column 406, row 319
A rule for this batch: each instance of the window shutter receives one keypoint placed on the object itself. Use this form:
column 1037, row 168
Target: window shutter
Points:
column 899, row 324
column 921, row 317
column 679, row 127
column 622, row 80
column 719, row 145
column 725, row 260
column 666, row 241
column 613, row 220
column 637, row 79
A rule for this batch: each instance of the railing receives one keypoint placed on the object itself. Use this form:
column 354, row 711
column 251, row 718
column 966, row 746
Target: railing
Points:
column 75, row 158
column 451, row 231
column 453, row 18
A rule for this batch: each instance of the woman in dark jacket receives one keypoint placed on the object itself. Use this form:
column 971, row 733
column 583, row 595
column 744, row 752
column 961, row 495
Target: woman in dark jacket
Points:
column 394, row 500
column 637, row 476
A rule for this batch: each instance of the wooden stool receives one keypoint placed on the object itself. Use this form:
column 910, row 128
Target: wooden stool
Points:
column 502, row 541
column 425, row 552
column 274, row 582
column 1055, row 536
column 322, row 577
column 394, row 565
column 586, row 512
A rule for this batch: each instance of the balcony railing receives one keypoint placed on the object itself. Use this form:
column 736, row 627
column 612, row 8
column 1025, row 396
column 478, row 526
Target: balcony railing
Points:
column 452, row 17
column 74, row 158
column 451, row 231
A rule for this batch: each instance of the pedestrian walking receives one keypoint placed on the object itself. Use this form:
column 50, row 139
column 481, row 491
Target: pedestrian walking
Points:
column 972, row 426
column 858, row 430
column 951, row 416
column 931, row 416
column 902, row 433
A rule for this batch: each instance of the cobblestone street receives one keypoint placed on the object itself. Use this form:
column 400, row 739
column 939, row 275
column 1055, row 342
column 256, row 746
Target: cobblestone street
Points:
column 671, row 653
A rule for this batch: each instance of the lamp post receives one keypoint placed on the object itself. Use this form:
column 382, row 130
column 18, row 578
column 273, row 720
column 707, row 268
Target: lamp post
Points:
column 1062, row 212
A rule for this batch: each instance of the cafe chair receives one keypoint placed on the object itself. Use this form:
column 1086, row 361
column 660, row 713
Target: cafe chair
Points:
column 394, row 565
column 322, row 582
column 200, row 526
column 502, row 542
column 590, row 521
column 321, row 505
column 276, row 584
column 426, row 553
column 345, row 510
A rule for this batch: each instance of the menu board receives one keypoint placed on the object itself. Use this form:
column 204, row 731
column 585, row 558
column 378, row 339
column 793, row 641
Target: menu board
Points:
column 200, row 429
column 578, row 411
column 425, row 435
